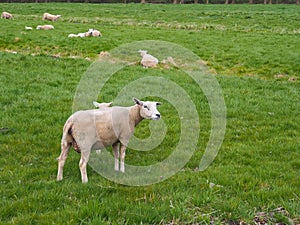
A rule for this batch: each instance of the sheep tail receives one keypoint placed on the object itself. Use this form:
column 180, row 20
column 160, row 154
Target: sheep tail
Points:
column 66, row 140
column 67, row 130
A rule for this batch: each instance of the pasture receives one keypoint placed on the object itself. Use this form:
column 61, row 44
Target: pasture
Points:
column 252, row 50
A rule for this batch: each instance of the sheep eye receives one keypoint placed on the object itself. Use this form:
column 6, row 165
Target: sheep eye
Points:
column 146, row 107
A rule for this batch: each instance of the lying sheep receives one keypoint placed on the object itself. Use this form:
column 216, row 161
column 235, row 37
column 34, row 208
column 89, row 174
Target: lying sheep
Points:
column 6, row 15
column 72, row 35
column 96, row 33
column 48, row 16
column 99, row 128
column 93, row 33
column 89, row 33
column 147, row 59
column 77, row 35
column 45, row 27
column 81, row 35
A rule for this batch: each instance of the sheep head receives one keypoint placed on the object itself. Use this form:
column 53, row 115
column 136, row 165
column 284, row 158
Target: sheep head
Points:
column 148, row 109
column 142, row 52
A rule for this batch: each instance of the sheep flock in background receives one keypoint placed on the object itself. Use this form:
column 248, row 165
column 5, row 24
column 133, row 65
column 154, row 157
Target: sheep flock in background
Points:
column 54, row 18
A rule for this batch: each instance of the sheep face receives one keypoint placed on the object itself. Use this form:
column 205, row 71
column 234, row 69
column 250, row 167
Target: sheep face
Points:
column 148, row 110
column 142, row 52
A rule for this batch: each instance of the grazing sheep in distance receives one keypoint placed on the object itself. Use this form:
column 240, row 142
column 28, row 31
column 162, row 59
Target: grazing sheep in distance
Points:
column 48, row 16
column 6, row 15
column 99, row 128
column 45, row 27
column 147, row 59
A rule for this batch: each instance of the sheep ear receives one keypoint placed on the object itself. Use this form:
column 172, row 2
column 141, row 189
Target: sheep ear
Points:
column 104, row 104
column 96, row 104
column 137, row 101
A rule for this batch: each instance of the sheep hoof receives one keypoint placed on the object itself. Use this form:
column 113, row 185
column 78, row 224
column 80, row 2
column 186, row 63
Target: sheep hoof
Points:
column 84, row 181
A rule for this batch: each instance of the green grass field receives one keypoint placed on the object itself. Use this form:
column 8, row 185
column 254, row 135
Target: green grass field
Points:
column 254, row 53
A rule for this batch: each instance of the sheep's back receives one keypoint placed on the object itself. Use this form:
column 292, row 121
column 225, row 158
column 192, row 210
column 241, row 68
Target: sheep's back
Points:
column 106, row 126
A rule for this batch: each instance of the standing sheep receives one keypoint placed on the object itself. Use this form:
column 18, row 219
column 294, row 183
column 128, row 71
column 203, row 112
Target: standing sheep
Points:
column 48, row 16
column 99, row 128
column 6, row 15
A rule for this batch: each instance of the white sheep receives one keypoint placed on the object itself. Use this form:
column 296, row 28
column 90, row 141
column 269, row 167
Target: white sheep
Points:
column 99, row 128
column 48, row 16
column 102, row 106
column 89, row 33
column 147, row 59
column 6, row 15
column 45, row 27
column 96, row 33
column 93, row 33
column 77, row 35
column 81, row 35
column 72, row 35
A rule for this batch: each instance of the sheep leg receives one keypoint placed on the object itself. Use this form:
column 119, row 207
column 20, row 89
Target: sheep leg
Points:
column 116, row 153
column 85, row 155
column 122, row 164
column 65, row 148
